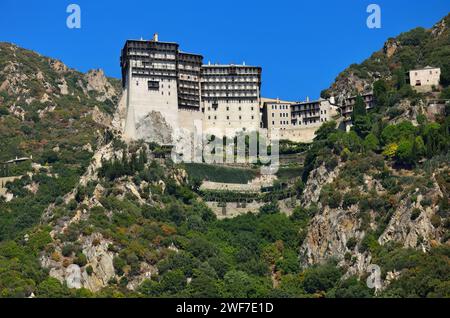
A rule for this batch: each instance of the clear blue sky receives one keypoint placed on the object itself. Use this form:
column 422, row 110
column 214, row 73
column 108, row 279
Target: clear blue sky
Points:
column 301, row 45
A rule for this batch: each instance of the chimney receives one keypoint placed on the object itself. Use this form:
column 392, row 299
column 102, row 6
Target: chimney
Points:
column 155, row 37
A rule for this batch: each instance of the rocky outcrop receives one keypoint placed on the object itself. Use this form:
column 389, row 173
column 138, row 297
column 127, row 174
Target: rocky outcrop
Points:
column 99, row 260
column 440, row 27
column 390, row 47
column 350, row 84
column 329, row 233
column 414, row 223
column 97, row 81
column 317, row 179
column 101, row 118
column 415, row 231
column 154, row 128
column 146, row 272
column 63, row 88
column 58, row 66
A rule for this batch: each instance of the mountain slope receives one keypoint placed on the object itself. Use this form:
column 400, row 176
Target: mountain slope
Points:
column 50, row 113
column 413, row 49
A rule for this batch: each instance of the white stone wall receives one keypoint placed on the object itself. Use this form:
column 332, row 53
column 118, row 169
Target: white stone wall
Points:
column 187, row 118
column 304, row 134
column 232, row 115
column 278, row 116
column 141, row 101
column 425, row 77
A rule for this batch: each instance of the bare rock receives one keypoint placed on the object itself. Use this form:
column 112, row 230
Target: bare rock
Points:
column 154, row 128
column 390, row 47
column 73, row 276
column 97, row 81
column 317, row 179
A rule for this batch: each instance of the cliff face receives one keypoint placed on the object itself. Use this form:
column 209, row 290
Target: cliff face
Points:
column 409, row 217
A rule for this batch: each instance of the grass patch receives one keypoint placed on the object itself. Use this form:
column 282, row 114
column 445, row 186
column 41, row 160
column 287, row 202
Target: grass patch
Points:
column 219, row 174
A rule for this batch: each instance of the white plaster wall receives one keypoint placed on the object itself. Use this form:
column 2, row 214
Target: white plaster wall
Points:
column 141, row 101
column 187, row 118
column 228, row 116
column 279, row 117
column 299, row 134
column 427, row 77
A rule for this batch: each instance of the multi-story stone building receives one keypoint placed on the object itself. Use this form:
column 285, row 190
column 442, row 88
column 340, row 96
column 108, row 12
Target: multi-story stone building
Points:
column 231, row 97
column 168, row 91
column 296, row 121
column 189, row 80
column 276, row 114
column 424, row 79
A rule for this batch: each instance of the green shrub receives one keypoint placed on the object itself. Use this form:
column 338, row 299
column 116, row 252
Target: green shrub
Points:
column 436, row 220
column 80, row 260
column 351, row 243
column 415, row 214
column 350, row 198
column 67, row 250
column 89, row 270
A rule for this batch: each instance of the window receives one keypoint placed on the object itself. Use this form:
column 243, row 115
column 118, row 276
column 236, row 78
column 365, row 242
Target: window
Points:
column 240, row 117
column 228, row 117
column 273, row 123
column 228, row 108
column 153, row 85
column 253, row 117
